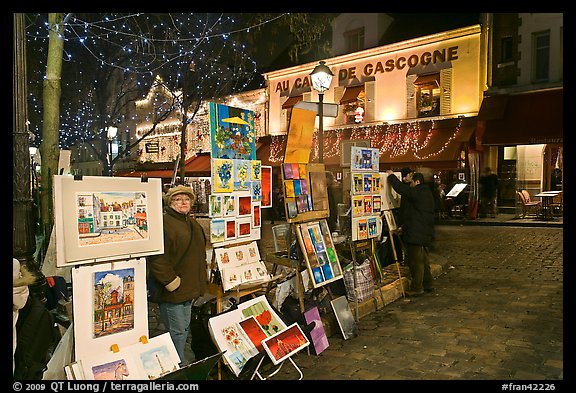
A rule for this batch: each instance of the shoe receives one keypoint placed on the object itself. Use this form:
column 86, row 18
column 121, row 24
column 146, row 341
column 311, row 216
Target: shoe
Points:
column 413, row 293
column 428, row 290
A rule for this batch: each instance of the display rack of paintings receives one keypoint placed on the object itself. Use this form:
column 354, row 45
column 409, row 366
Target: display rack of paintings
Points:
column 319, row 252
column 365, row 195
column 235, row 204
column 99, row 219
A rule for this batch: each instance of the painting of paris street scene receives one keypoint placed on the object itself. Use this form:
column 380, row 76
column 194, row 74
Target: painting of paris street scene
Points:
column 110, row 217
column 113, row 299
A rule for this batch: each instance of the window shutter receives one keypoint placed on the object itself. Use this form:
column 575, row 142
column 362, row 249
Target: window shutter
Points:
column 411, row 96
column 445, row 91
column 369, row 105
column 338, row 93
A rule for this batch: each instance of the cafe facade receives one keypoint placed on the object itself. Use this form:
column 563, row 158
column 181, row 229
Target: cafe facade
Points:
column 416, row 100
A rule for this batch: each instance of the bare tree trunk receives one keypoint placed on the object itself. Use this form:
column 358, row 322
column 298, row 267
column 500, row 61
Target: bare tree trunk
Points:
column 49, row 149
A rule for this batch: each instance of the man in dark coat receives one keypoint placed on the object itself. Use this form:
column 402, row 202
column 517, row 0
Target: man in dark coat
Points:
column 417, row 230
column 182, row 269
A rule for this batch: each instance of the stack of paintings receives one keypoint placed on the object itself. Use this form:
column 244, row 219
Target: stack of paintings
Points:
column 240, row 265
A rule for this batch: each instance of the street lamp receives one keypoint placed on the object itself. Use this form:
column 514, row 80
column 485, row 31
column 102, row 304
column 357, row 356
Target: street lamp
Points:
column 111, row 134
column 321, row 78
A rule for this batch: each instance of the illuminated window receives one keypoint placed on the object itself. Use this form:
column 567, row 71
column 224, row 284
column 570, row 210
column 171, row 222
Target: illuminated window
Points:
column 427, row 90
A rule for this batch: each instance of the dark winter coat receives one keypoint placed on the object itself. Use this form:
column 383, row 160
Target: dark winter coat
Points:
column 181, row 269
column 418, row 212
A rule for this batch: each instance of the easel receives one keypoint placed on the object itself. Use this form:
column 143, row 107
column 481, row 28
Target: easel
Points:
column 392, row 229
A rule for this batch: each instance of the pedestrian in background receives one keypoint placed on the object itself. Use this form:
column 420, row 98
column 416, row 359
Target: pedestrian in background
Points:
column 182, row 269
column 488, row 193
column 417, row 230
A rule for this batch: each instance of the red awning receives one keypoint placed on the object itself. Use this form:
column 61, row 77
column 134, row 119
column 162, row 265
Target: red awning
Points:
column 523, row 119
column 351, row 94
column 291, row 101
column 196, row 166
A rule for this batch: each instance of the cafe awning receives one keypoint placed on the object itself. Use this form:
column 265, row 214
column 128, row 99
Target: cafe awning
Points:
column 351, row 94
column 523, row 119
column 291, row 101
column 197, row 166
column 427, row 79
column 442, row 143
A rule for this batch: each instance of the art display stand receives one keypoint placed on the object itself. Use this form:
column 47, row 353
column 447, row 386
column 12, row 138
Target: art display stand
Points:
column 259, row 375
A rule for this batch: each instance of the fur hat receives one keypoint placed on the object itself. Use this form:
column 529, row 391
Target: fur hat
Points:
column 180, row 189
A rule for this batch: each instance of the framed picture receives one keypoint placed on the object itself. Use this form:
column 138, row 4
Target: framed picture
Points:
column 242, row 170
column 243, row 227
column 319, row 253
column 244, row 205
column 222, row 175
column 266, row 186
column 110, row 305
column 256, row 215
column 286, row 343
column 215, row 207
column 228, row 205
column 99, row 219
column 344, row 316
column 231, row 231
column 217, row 230
column 390, row 198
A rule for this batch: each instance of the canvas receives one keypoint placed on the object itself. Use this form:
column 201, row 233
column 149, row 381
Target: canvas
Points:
column 300, row 136
column 390, row 198
column 232, row 132
column 317, row 334
column 100, row 219
column 266, row 186
column 285, row 343
column 344, row 316
column 222, row 175
column 110, row 305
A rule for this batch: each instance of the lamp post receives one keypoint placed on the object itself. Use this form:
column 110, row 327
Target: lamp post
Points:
column 111, row 134
column 321, row 78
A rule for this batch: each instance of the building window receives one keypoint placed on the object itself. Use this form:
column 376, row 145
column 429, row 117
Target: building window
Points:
column 506, row 50
column 354, row 40
column 353, row 104
column 427, row 90
column 541, row 56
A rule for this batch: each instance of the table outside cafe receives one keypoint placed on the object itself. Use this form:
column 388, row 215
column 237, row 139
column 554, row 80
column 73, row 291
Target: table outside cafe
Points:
column 547, row 198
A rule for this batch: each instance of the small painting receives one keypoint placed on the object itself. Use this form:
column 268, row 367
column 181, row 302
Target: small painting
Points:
column 285, row 343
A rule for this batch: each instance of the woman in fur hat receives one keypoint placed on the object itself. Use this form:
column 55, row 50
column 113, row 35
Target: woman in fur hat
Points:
column 182, row 269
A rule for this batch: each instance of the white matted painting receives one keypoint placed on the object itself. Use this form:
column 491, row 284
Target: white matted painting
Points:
column 108, row 365
column 346, row 321
column 99, row 219
column 158, row 357
column 110, row 305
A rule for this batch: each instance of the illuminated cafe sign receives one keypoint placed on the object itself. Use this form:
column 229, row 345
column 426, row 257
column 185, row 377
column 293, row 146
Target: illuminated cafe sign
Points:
column 378, row 67
column 152, row 147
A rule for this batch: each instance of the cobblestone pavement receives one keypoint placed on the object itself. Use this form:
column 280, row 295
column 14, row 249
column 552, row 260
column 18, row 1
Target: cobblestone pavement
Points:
column 497, row 314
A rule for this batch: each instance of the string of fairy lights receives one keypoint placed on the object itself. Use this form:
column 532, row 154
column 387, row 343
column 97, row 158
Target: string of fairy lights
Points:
column 394, row 140
column 139, row 44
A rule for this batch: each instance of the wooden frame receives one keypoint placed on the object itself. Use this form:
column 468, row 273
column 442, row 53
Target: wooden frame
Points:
column 319, row 253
